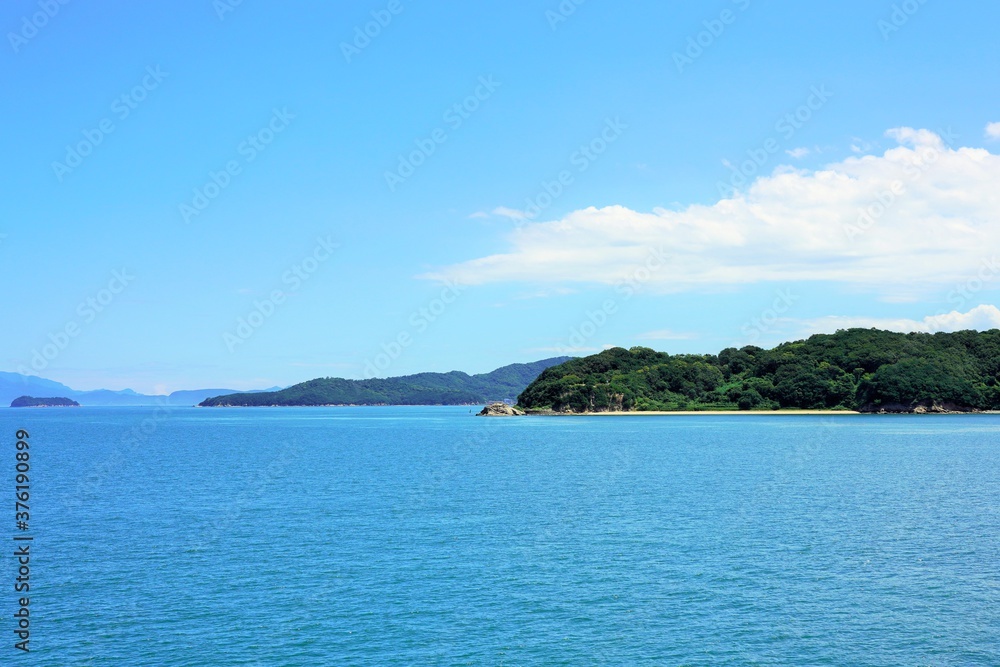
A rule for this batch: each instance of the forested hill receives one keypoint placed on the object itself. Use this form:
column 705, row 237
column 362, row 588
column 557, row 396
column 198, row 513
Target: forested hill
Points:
column 455, row 388
column 32, row 402
column 858, row 369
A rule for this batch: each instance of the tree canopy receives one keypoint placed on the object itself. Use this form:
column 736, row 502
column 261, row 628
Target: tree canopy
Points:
column 858, row 369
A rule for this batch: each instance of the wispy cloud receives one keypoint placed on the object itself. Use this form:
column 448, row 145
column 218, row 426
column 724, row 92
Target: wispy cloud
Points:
column 337, row 365
column 511, row 213
column 980, row 318
column 666, row 334
column 568, row 350
column 546, row 293
column 993, row 130
column 799, row 153
column 859, row 145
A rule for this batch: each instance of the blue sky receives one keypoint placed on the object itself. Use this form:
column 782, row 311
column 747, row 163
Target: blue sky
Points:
column 699, row 170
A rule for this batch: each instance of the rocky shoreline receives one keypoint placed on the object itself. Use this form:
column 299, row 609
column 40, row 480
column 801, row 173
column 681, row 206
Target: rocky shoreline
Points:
column 501, row 410
column 926, row 408
column 866, row 410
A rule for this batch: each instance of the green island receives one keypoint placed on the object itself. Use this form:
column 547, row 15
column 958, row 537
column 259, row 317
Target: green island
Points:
column 863, row 370
column 32, row 402
column 454, row 388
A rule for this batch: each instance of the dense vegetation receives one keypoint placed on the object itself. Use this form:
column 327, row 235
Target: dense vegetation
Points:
column 455, row 388
column 32, row 402
column 858, row 369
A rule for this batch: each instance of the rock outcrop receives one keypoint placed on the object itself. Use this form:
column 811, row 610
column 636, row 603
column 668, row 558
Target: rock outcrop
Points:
column 500, row 410
column 921, row 408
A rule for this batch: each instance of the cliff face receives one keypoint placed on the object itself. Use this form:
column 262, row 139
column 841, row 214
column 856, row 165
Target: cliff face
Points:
column 616, row 403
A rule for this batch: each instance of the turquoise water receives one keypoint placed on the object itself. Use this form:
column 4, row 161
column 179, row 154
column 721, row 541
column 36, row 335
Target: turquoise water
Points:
column 424, row 536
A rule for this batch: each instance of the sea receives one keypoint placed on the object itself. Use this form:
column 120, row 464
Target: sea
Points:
column 428, row 536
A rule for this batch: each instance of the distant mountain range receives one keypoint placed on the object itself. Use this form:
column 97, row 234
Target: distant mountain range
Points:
column 14, row 385
column 454, row 388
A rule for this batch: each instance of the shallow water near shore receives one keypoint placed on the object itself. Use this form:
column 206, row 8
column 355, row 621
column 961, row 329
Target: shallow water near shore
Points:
column 411, row 535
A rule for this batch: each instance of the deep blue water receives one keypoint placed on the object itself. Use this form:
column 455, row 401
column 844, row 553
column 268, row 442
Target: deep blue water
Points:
column 424, row 536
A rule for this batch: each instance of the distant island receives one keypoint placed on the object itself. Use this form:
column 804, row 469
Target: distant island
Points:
column 14, row 385
column 454, row 388
column 32, row 402
column 864, row 370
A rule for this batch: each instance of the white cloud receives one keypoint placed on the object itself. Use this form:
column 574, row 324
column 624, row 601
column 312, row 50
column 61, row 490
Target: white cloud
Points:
column 793, row 225
column 479, row 215
column 547, row 293
column 860, row 145
column 799, row 153
column 665, row 334
column 570, row 351
column 511, row 213
column 980, row 318
column 993, row 130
